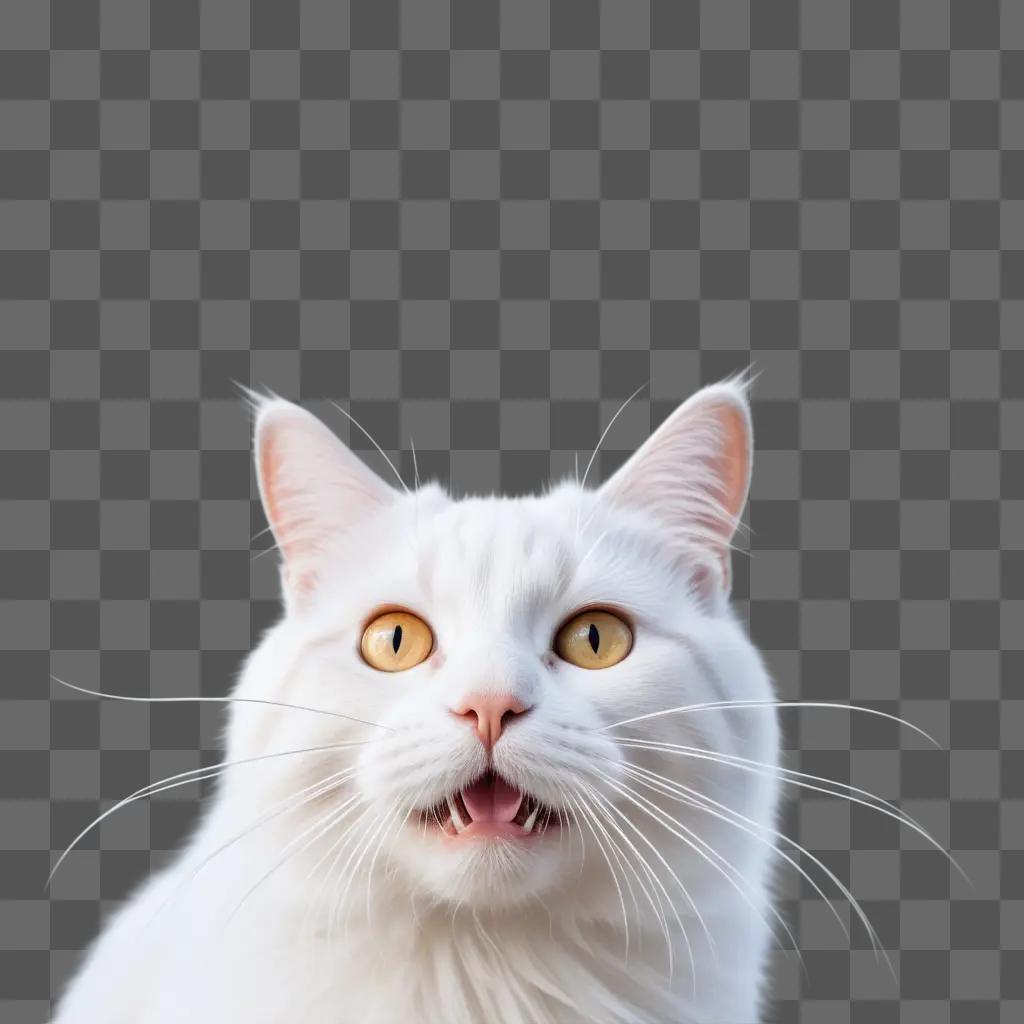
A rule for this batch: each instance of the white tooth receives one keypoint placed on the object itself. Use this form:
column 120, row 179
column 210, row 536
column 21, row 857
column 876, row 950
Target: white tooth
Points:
column 456, row 819
column 531, row 820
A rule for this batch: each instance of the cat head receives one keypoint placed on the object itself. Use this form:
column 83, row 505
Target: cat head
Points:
column 469, row 661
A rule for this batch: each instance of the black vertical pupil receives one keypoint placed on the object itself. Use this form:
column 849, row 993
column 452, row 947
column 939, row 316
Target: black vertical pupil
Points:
column 396, row 639
column 594, row 637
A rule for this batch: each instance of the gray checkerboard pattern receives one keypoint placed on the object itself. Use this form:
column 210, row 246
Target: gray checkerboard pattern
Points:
column 481, row 226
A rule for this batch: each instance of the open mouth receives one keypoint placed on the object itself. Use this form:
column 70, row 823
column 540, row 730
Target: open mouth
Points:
column 490, row 807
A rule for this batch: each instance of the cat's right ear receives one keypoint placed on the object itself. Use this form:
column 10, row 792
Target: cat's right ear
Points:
column 312, row 487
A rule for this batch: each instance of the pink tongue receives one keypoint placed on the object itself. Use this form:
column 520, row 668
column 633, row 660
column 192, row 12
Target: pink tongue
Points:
column 491, row 798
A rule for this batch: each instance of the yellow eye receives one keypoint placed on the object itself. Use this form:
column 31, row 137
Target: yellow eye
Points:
column 396, row 641
column 594, row 639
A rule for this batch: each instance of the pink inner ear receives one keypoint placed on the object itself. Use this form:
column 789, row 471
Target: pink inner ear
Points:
column 732, row 465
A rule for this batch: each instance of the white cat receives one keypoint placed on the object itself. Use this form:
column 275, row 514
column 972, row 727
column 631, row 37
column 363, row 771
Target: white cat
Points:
column 453, row 796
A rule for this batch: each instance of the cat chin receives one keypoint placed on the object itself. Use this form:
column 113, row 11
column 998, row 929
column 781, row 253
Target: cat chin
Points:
column 484, row 871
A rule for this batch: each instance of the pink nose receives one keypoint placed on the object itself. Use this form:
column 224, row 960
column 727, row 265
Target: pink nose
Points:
column 489, row 713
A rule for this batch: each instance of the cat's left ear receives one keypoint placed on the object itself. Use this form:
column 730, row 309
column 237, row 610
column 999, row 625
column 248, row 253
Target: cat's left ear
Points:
column 693, row 475
column 312, row 487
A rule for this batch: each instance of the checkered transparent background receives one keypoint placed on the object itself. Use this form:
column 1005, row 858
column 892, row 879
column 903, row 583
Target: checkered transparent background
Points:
column 481, row 226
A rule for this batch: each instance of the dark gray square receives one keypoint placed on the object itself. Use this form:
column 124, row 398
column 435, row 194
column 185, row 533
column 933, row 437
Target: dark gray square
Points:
column 924, row 275
column 24, row 175
column 224, row 74
column 74, row 224
column 124, row 575
column 574, row 324
column 273, row 25
column 875, row 124
column 625, row 74
column 425, row 174
column 774, row 25
column 324, row 174
column 924, row 174
column 974, row 224
column 24, row 275
column 274, row 324
column 474, row 325
column 174, row 24
column 575, row 224
column 173, row 324
column 74, row 124
column 124, row 74
column 374, row 24
column 173, row 525
column 825, row 174
column 324, row 275
column 675, row 124
column 274, row 224
column 825, row 74
column 525, row 174
column 174, row 124
column 774, row 224
column 426, row 74
column 74, row 24
column 124, row 275
column 874, row 25
column 774, row 124
column 173, row 426
column 373, row 224
column 475, row 124
column 525, row 275
column 525, row 74
column 124, row 174
column 475, row 26
column 373, row 324
column 374, row 124
column 74, row 323
column 725, row 275
column 626, row 275
column 575, row 25
column 724, row 174
column 525, row 375
column 475, row 224
column 675, row 224
column 625, row 174
column 274, row 124
column 425, row 275
column 924, row 74
column 575, row 124
column 25, row 75
column 174, row 224
column 324, row 74
column 75, row 425
column 725, row 74
column 224, row 275
column 974, row 124
column 974, row 24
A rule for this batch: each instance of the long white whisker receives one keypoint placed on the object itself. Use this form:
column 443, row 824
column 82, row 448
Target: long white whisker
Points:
column 370, row 438
column 216, row 700
column 672, row 874
column 704, row 803
column 604, row 433
column 688, row 836
column 881, row 806
column 652, row 875
column 583, row 817
column 766, row 703
column 415, row 463
column 319, row 828
column 183, row 779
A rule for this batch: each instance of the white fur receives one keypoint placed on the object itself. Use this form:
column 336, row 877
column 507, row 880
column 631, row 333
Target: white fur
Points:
column 413, row 930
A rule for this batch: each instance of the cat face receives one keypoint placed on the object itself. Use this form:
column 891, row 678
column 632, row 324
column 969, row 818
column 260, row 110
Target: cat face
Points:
column 493, row 645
